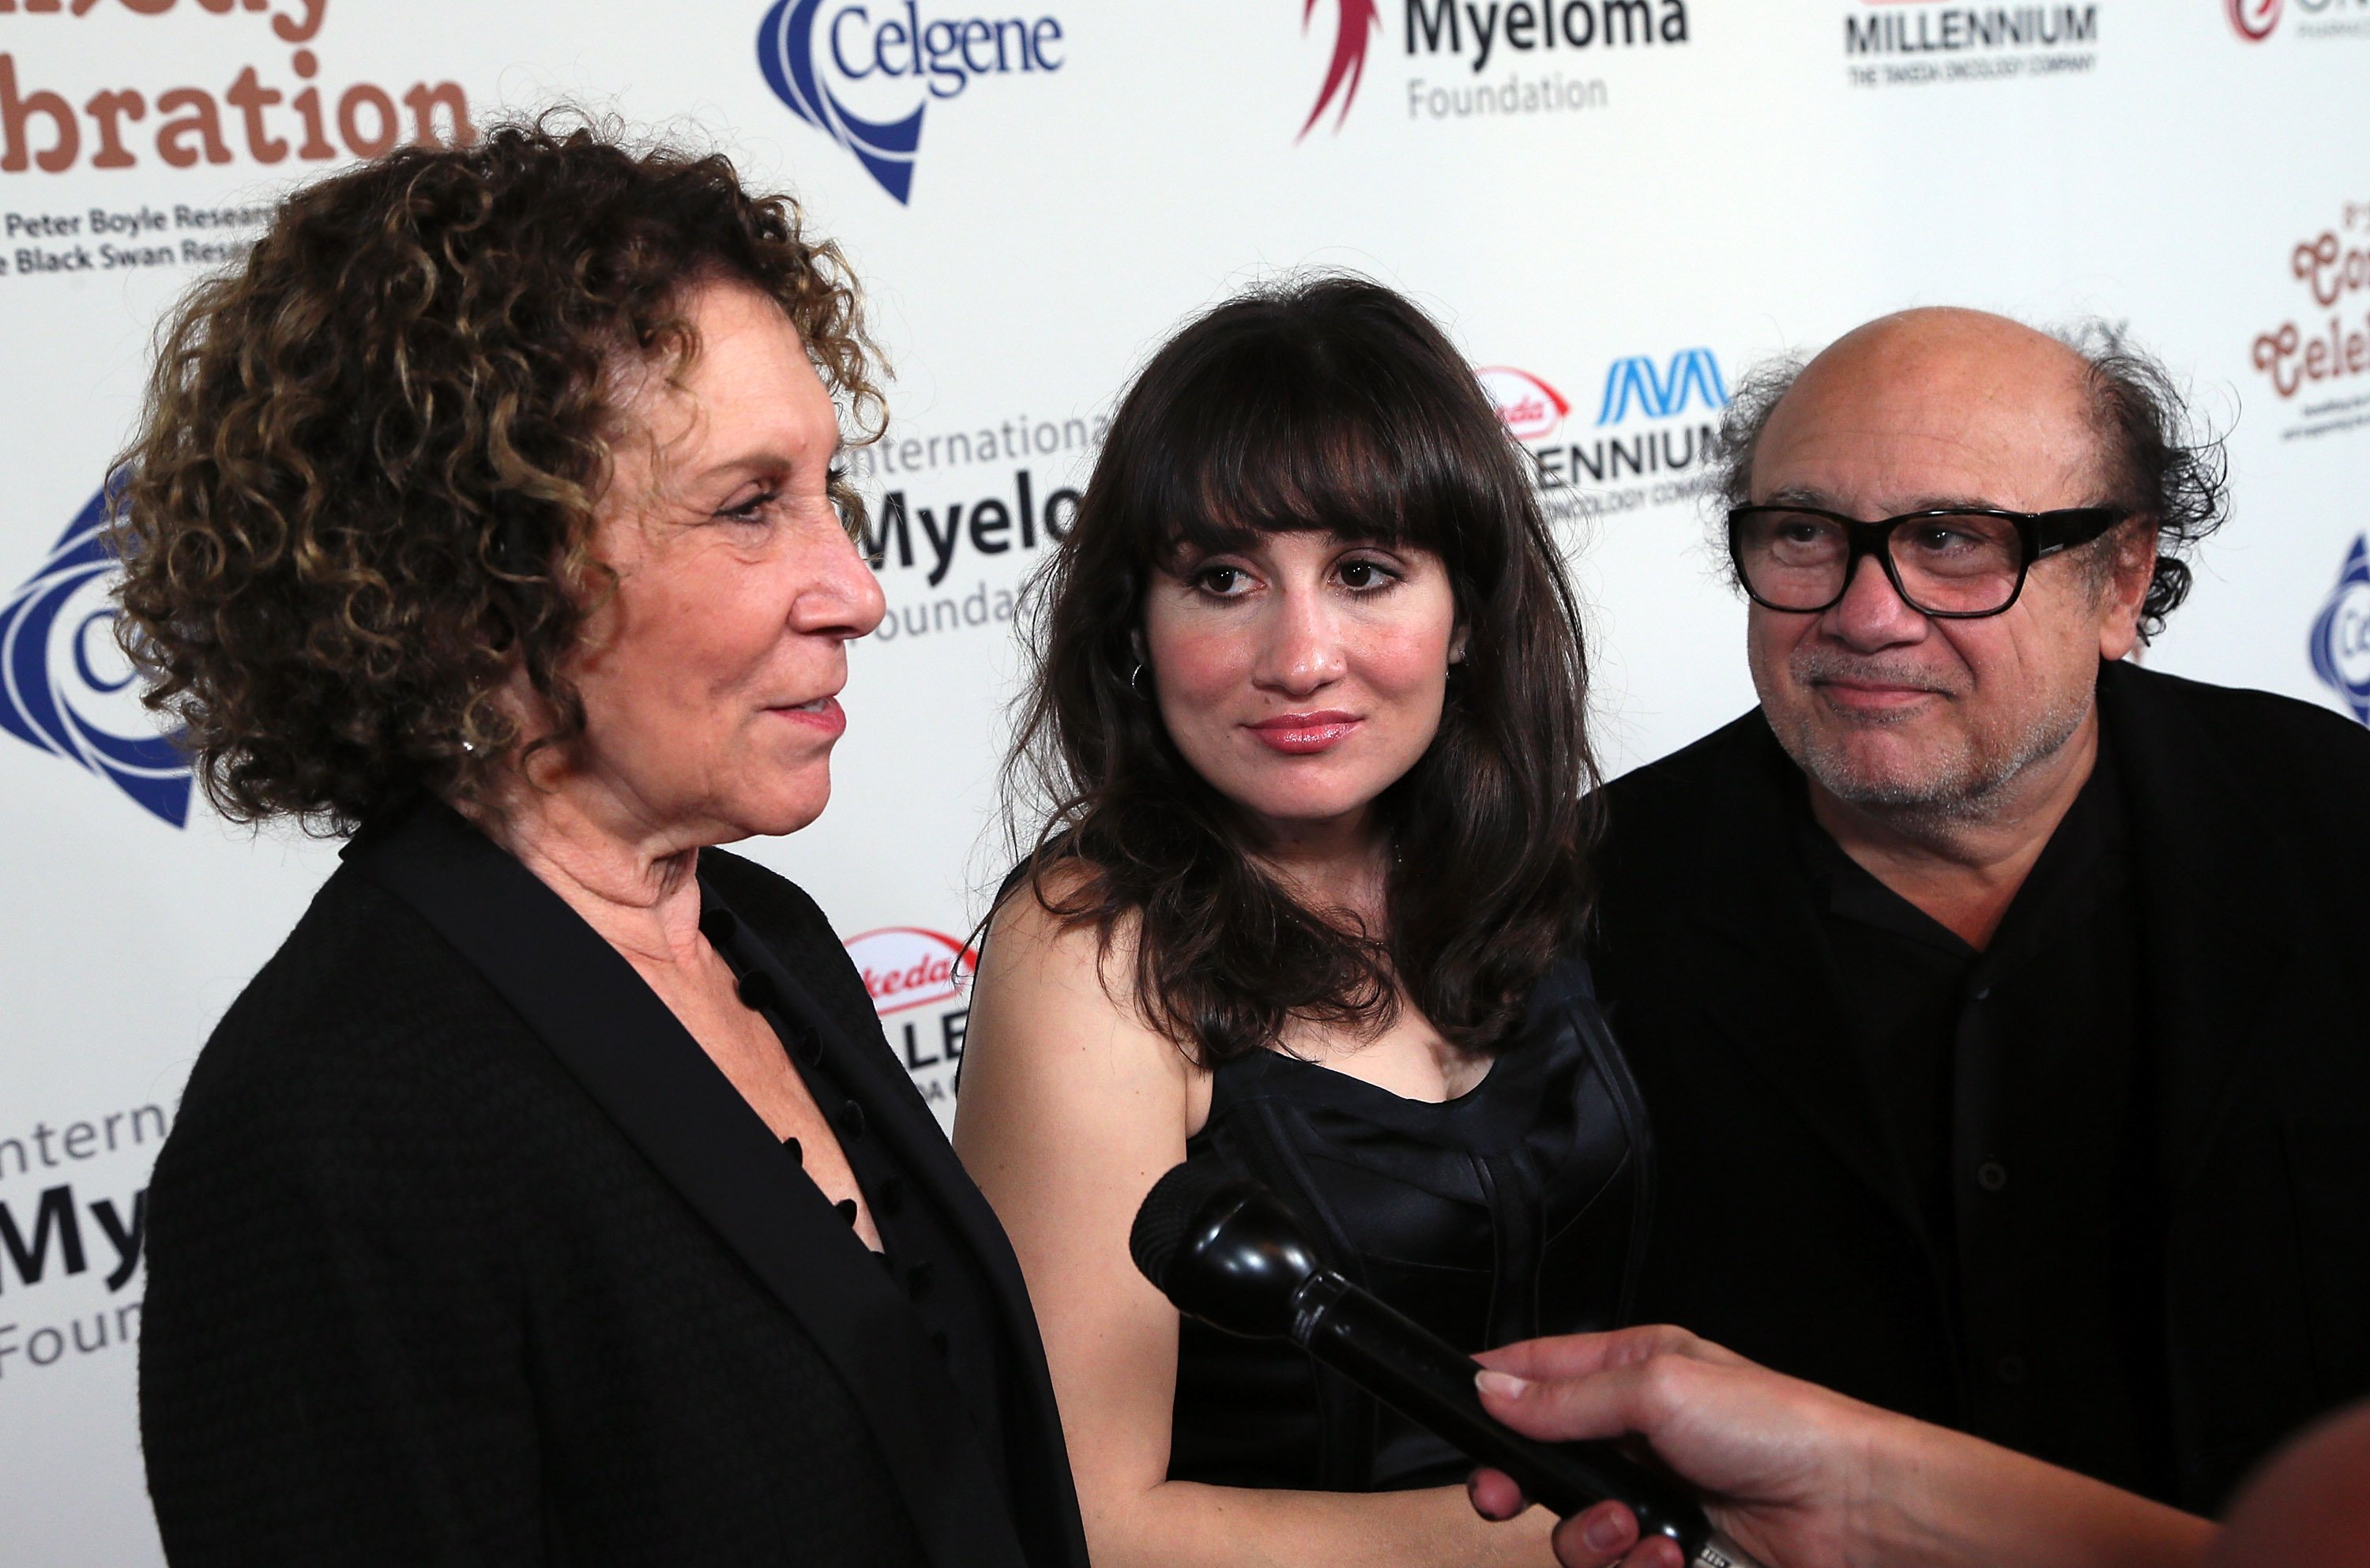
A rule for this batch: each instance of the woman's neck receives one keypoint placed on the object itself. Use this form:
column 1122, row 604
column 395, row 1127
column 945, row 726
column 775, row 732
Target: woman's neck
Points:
column 1332, row 865
column 631, row 882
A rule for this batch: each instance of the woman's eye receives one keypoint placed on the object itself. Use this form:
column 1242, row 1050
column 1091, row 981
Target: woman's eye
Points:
column 1366, row 574
column 753, row 510
column 1222, row 581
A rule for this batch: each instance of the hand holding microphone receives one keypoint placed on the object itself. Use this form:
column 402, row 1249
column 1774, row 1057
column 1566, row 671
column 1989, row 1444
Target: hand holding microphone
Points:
column 1226, row 1251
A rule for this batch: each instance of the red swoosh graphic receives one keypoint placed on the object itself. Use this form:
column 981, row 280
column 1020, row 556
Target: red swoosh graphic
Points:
column 1359, row 20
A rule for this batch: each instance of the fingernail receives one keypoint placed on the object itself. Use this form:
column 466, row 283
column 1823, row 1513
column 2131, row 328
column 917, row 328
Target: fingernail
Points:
column 1604, row 1532
column 1505, row 1385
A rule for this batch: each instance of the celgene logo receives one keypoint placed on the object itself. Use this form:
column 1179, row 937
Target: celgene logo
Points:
column 2254, row 19
column 1531, row 408
column 864, row 77
column 1633, row 383
column 906, row 966
column 2340, row 635
column 65, row 685
column 1359, row 20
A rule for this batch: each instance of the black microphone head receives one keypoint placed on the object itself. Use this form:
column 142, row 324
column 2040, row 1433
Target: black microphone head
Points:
column 1167, row 1210
column 1222, row 1248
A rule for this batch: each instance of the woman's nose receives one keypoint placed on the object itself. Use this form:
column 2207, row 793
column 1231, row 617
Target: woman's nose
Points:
column 842, row 596
column 1304, row 644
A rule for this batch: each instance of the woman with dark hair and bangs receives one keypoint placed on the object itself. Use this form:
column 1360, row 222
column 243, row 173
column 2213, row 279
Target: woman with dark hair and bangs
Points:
column 1306, row 899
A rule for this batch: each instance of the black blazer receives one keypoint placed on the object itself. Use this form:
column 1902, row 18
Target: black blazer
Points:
column 462, row 1252
column 1783, row 1227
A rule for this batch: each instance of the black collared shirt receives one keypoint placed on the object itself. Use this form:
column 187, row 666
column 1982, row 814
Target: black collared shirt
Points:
column 2013, row 1086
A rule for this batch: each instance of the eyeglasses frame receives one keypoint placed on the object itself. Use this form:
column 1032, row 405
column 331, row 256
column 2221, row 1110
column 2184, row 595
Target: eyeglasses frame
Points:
column 2067, row 527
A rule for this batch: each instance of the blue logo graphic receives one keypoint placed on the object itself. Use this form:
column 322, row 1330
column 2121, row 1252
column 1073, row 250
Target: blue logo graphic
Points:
column 65, row 688
column 1692, row 372
column 2340, row 635
column 850, row 76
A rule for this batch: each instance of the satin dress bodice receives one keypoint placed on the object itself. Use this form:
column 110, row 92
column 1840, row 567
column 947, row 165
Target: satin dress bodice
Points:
column 1516, row 1209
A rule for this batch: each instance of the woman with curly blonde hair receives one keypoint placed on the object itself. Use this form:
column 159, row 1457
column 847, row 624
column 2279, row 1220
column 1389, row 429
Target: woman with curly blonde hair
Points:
column 551, row 1195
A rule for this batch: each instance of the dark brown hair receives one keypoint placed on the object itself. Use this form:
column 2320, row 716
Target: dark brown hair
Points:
column 362, row 488
column 1329, row 404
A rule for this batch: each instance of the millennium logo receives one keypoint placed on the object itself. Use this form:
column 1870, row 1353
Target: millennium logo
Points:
column 866, row 81
column 2341, row 634
column 65, row 688
column 1634, row 383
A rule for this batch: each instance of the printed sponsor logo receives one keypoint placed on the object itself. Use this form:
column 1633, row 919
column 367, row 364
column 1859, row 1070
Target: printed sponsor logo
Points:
column 864, row 73
column 2339, row 645
column 911, row 966
column 1663, row 458
column 954, row 518
column 1527, row 49
column 1532, row 409
column 1892, row 44
column 1632, row 384
column 2320, row 365
column 71, row 1239
column 2255, row 20
column 1356, row 23
column 271, row 115
column 920, row 981
column 67, row 689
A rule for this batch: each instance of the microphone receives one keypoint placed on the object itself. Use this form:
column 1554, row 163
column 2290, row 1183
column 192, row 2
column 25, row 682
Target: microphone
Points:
column 1227, row 1251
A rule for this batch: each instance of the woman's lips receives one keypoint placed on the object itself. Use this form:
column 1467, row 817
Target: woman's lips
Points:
column 1304, row 735
column 823, row 715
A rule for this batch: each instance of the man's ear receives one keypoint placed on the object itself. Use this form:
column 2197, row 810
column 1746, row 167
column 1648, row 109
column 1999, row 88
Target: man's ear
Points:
column 2123, row 585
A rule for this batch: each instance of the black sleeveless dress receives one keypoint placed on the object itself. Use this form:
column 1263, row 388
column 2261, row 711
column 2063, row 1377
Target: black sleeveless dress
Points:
column 1517, row 1209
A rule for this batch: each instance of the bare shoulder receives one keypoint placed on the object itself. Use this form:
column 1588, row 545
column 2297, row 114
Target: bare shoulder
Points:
column 1055, row 1034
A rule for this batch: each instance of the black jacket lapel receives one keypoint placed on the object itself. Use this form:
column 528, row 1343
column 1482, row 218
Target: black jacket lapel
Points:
column 631, row 1055
column 903, row 1119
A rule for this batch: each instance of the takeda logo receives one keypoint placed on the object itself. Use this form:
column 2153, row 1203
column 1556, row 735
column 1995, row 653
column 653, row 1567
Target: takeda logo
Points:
column 920, row 982
column 66, row 688
column 907, row 966
column 2339, row 645
column 1531, row 408
column 865, row 78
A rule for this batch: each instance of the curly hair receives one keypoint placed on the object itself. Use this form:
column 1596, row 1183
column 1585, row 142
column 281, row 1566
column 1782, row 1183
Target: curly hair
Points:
column 362, row 488
column 1329, row 405
column 2161, row 464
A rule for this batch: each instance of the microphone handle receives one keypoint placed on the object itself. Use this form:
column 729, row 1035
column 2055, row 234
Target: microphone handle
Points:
column 1407, row 1366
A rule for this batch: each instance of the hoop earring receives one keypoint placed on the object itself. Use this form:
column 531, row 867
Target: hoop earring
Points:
column 1136, row 680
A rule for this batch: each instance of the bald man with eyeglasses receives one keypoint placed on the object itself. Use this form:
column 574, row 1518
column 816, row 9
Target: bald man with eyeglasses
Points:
column 2002, row 1007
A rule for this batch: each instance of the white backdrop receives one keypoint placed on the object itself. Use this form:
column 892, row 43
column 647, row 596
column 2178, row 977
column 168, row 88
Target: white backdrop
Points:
column 1616, row 205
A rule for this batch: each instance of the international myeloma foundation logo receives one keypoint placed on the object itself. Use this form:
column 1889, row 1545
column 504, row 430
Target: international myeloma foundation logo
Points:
column 1357, row 22
column 67, row 689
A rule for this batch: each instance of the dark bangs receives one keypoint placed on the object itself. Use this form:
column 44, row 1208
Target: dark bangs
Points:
column 1281, row 421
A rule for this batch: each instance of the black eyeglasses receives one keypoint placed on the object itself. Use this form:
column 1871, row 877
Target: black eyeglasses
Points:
column 1955, row 563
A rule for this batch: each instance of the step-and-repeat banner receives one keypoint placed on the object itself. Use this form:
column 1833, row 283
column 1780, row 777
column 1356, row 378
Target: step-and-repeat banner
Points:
column 1617, row 206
